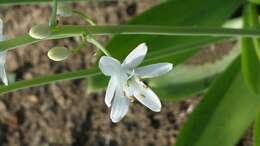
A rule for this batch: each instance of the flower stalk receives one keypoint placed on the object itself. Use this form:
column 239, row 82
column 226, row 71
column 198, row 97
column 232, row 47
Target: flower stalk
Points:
column 92, row 40
column 77, row 30
column 53, row 19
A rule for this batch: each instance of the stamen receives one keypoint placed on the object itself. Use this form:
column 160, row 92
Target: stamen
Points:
column 124, row 93
column 142, row 96
column 145, row 86
column 132, row 98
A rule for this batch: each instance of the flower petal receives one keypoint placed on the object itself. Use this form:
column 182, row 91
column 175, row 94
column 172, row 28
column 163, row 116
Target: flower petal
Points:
column 153, row 70
column 135, row 57
column 110, row 91
column 2, row 58
column 3, row 75
column 146, row 96
column 109, row 66
column 120, row 106
column 1, row 28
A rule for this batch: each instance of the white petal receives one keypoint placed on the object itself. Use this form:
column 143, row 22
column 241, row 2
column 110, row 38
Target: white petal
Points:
column 2, row 57
column 3, row 75
column 109, row 66
column 1, row 28
column 120, row 106
column 135, row 57
column 153, row 70
column 146, row 96
column 110, row 91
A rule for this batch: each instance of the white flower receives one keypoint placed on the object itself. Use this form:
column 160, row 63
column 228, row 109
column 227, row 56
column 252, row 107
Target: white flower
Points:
column 2, row 57
column 125, row 83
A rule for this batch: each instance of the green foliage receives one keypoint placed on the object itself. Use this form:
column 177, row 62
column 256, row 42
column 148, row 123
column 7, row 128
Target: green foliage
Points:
column 254, row 23
column 224, row 113
column 255, row 1
column 250, row 63
column 175, row 48
column 48, row 79
column 186, row 80
column 256, row 132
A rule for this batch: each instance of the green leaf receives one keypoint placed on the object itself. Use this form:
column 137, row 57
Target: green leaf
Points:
column 187, row 80
column 256, row 132
column 254, row 23
column 23, row 84
column 255, row 1
column 224, row 113
column 193, row 13
column 250, row 63
column 171, row 13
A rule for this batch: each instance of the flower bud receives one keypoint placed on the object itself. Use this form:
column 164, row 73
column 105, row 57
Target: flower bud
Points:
column 58, row 53
column 40, row 31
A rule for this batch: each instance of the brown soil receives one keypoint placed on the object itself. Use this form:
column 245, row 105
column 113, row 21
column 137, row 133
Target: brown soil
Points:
column 63, row 114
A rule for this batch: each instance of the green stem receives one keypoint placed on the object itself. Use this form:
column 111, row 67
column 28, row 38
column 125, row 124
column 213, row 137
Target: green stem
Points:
column 53, row 19
column 85, row 17
column 89, row 37
column 75, row 30
column 48, row 79
column 92, row 40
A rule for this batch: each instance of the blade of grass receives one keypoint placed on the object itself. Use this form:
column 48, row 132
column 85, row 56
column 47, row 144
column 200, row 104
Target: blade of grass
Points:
column 254, row 23
column 187, row 80
column 249, row 60
column 48, row 79
column 256, row 131
column 222, row 116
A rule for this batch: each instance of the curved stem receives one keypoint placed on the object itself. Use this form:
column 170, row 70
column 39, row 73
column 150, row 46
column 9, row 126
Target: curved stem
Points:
column 85, row 17
column 92, row 40
column 75, row 30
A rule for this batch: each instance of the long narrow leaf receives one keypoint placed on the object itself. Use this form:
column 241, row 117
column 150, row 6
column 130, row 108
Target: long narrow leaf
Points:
column 256, row 132
column 250, row 63
column 254, row 23
column 187, row 80
column 224, row 113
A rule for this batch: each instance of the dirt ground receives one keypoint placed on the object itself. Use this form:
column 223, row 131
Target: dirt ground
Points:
column 64, row 114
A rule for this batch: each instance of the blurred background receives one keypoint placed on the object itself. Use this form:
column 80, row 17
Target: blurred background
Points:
column 64, row 113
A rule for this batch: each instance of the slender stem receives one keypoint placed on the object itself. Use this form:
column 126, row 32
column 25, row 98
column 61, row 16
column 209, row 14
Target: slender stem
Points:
column 75, row 30
column 85, row 17
column 92, row 40
column 48, row 79
column 53, row 19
